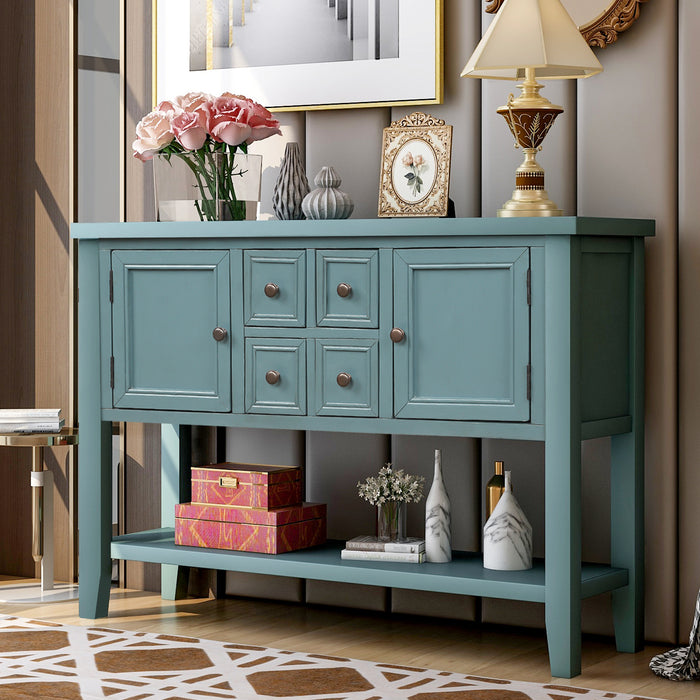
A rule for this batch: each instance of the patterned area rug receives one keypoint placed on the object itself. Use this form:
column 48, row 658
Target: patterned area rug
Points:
column 42, row 660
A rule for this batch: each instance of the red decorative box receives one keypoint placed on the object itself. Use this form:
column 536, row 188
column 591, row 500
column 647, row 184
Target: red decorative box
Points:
column 250, row 529
column 248, row 485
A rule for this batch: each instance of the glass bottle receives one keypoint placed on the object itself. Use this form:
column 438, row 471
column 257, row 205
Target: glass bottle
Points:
column 494, row 489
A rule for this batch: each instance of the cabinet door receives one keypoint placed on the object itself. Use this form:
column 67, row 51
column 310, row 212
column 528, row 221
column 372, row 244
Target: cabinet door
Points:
column 465, row 314
column 166, row 307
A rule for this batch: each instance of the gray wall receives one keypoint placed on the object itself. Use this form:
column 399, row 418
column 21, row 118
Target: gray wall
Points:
column 614, row 152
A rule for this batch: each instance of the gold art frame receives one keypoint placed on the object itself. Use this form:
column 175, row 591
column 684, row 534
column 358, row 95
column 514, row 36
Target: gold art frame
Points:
column 184, row 81
column 605, row 28
column 431, row 139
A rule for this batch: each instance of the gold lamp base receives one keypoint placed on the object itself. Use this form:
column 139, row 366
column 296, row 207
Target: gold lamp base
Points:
column 529, row 118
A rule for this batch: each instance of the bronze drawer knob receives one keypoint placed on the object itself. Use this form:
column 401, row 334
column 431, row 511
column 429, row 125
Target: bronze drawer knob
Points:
column 272, row 376
column 272, row 289
column 344, row 290
column 219, row 334
column 344, row 378
column 397, row 335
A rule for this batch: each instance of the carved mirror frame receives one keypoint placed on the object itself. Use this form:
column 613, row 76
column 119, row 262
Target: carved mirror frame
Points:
column 604, row 29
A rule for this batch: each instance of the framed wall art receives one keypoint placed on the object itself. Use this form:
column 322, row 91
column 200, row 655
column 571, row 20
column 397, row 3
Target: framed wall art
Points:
column 415, row 175
column 301, row 54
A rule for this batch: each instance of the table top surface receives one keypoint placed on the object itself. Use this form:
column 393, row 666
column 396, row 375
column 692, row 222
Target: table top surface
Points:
column 66, row 436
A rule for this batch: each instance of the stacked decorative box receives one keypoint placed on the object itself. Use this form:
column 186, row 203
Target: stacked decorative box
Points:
column 249, row 508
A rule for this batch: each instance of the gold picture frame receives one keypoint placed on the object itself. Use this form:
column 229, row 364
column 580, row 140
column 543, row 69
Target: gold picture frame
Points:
column 415, row 174
column 602, row 24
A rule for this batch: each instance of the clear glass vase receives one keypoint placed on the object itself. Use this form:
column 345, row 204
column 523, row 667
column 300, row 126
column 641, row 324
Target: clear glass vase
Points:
column 391, row 521
column 205, row 186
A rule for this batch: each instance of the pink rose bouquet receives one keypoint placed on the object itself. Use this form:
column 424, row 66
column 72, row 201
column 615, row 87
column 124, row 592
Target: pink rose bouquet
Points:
column 206, row 132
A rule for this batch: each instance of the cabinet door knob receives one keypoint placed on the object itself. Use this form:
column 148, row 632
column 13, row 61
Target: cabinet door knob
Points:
column 344, row 378
column 344, row 289
column 272, row 376
column 219, row 334
column 397, row 335
column 272, row 289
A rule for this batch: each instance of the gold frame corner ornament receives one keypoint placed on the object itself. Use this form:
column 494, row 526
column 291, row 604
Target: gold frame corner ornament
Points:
column 603, row 29
column 434, row 136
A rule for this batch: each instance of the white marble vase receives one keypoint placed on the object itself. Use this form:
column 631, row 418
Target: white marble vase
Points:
column 507, row 535
column 438, row 535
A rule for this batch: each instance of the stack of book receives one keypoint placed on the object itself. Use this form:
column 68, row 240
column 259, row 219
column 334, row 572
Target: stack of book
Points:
column 368, row 548
column 30, row 420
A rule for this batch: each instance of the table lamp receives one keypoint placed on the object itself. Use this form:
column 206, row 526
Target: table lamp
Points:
column 530, row 40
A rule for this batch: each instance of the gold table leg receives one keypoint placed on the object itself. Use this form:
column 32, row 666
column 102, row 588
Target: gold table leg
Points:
column 37, row 506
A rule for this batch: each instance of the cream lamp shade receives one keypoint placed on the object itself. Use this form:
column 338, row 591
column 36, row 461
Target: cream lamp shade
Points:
column 530, row 40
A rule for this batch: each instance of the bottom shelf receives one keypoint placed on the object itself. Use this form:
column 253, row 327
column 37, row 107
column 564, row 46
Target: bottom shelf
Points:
column 464, row 575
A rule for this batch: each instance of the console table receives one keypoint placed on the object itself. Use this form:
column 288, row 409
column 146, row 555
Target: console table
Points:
column 524, row 328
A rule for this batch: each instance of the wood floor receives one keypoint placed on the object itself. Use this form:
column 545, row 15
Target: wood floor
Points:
column 462, row 647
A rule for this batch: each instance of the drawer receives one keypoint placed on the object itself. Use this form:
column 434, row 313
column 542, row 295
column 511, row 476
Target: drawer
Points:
column 275, row 376
column 347, row 288
column 347, row 378
column 274, row 288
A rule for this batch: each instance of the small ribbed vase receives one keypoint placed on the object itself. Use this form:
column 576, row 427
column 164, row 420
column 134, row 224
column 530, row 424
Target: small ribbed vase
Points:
column 327, row 201
column 291, row 186
column 438, row 532
column 507, row 535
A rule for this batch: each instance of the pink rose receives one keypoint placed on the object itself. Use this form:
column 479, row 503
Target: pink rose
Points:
column 407, row 160
column 170, row 108
column 419, row 160
column 228, row 120
column 262, row 123
column 189, row 130
column 153, row 133
column 198, row 102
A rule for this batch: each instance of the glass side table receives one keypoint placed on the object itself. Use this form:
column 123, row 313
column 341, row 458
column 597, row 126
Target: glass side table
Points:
column 42, row 519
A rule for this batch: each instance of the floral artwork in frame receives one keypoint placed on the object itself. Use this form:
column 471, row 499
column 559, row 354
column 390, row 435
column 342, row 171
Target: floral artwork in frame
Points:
column 415, row 175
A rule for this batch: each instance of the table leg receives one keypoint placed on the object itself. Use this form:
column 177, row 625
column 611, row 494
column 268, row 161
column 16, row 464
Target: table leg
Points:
column 37, row 504
column 175, row 487
column 563, row 459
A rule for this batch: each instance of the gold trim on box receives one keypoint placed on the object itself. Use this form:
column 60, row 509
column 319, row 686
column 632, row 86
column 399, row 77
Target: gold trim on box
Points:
column 229, row 482
column 605, row 28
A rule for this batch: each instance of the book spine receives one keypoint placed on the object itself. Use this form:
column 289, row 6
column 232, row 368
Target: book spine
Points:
column 29, row 427
column 10, row 414
column 408, row 547
column 359, row 555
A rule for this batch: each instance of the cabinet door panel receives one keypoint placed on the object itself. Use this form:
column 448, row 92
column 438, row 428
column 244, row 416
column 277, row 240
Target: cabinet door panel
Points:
column 166, row 307
column 467, row 346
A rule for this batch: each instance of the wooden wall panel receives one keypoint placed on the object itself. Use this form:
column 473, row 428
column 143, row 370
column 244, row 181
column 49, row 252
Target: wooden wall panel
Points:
column 689, row 323
column 17, row 278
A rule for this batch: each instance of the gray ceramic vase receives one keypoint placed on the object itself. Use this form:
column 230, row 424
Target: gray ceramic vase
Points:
column 327, row 201
column 291, row 186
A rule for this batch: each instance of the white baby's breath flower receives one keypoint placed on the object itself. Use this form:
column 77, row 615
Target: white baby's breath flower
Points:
column 391, row 485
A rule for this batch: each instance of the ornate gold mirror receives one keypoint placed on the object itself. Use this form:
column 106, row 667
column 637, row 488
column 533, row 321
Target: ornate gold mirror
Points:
column 600, row 21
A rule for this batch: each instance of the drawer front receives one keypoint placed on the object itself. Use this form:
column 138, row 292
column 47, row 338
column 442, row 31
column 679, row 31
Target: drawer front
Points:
column 347, row 288
column 465, row 313
column 347, row 378
column 166, row 306
column 275, row 376
column 274, row 290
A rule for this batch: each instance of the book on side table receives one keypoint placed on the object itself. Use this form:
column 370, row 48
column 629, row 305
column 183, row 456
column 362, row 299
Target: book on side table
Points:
column 369, row 548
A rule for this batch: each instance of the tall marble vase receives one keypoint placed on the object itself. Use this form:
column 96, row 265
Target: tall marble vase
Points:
column 291, row 186
column 507, row 535
column 438, row 534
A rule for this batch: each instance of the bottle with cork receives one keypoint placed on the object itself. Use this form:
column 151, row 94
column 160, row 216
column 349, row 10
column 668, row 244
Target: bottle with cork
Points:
column 494, row 488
